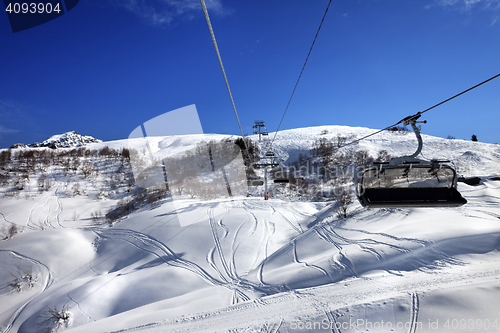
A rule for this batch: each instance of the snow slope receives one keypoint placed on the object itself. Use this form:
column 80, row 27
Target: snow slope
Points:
column 469, row 158
column 251, row 265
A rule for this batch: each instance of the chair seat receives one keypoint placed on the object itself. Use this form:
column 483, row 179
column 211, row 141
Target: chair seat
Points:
column 411, row 197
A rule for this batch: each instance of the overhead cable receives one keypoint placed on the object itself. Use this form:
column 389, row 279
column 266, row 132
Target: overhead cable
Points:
column 293, row 92
column 449, row 99
column 418, row 114
column 222, row 67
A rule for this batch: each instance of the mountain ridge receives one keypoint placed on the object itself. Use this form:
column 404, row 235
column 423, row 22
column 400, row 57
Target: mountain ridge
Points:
column 70, row 139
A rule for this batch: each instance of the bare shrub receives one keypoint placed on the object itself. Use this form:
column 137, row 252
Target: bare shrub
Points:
column 106, row 151
column 44, row 183
column 112, row 216
column 383, row 156
column 340, row 164
column 343, row 200
column 89, row 169
column 11, row 231
column 41, row 182
column 323, row 148
column 75, row 163
column 130, row 180
column 54, row 319
column 5, row 157
column 66, row 164
column 363, row 158
column 341, row 140
column 126, row 205
column 21, row 181
column 75, row 189
column 96, row 217
column 80, row 152
column 23, row 280
column 125, row 153
column 153, row 198
column 4, row 177
column 192, row 187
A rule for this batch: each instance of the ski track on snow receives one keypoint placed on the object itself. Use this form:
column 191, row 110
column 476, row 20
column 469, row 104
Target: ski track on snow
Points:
column 265, row 237
column 231, row 275
column 415, row 307
column 305, row 264
column 317, row 301
column 234, row 245
column 79, row 308
column 43, row 209
column 332, row 322
column 48, row 282
column 298, row 228
column 5, row 219
column 152, row 245
column 29, row 223
column 59, row 208
column 369, row 245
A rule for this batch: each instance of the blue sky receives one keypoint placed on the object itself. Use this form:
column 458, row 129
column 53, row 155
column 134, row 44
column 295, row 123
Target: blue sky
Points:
column 107, row 66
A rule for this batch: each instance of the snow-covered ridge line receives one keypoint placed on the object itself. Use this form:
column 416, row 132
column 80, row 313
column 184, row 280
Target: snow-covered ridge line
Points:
column 469, row 158
column 66, row 140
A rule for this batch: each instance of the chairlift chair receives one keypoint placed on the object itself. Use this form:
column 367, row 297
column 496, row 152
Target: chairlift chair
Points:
column 408, row 181
column 272, row 156
column 255, row 182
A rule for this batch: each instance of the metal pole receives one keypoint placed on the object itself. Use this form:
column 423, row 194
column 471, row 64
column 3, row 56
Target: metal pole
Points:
column 419, row 138
column 265, row 183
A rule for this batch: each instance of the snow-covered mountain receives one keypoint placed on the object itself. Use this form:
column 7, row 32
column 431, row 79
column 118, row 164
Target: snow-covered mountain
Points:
column 66, row 140
column 288, row 264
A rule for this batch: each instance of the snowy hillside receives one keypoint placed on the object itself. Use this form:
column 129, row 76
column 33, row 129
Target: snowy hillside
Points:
column 85, row 250
column 470, row 158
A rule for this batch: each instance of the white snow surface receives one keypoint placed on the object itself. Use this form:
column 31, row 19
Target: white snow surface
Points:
column 250, row 265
